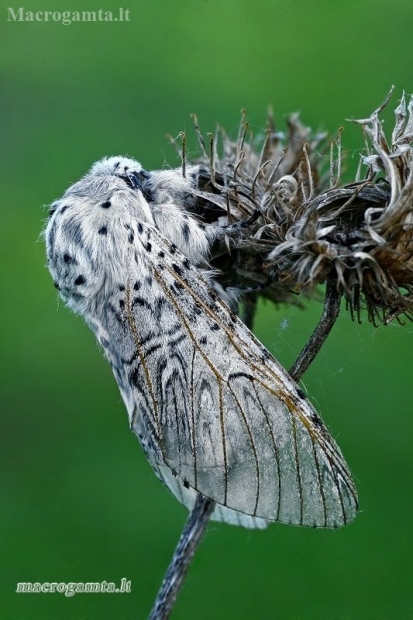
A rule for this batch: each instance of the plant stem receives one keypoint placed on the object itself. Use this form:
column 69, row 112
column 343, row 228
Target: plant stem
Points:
column 188, row 544
column 329, row 316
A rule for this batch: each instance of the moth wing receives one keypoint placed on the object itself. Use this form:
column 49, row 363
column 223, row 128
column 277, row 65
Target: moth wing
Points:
column 230, row 423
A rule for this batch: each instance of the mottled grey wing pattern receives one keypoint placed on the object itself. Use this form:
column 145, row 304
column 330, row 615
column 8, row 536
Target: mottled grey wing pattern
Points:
column 219, row 411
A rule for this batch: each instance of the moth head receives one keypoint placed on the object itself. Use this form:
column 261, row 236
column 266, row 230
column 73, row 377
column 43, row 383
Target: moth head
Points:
column 128, row 170
column 93, row 229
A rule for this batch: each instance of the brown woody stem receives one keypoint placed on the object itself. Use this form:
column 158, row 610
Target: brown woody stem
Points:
column 188, row 544
column 329, row 316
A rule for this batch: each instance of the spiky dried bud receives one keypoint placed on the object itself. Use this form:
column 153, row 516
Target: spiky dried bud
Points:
column 312, row 229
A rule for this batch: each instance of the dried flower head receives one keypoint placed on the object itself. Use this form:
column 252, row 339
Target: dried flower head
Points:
column 305, row 227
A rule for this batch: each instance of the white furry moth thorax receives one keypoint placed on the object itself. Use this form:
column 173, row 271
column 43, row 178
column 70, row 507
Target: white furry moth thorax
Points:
column 214, row 411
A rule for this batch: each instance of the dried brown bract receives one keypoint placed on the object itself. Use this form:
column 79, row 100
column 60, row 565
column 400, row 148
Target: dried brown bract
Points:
column 306, row 228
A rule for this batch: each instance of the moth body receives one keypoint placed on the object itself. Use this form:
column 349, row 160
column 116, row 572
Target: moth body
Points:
column 213, row 410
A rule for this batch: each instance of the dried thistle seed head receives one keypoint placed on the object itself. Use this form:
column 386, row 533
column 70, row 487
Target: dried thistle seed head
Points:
column 236, row 178
column 312, row 227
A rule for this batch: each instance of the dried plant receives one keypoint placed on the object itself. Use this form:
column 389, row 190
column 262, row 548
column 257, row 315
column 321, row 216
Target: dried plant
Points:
column 302, row 228
column 306, row 227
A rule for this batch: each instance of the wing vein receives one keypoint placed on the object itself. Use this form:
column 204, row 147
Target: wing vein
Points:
column 213, row 369
column 135, row 334
column 191, row 391
column 297, row 462
column 257, row 467
column 317, row 464
column 276, row 454
column 251, row 359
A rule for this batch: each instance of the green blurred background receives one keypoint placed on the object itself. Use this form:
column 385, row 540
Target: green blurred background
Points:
column 79, row 501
